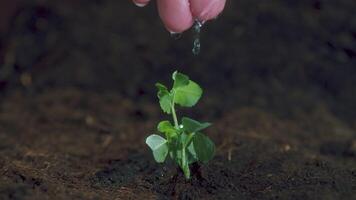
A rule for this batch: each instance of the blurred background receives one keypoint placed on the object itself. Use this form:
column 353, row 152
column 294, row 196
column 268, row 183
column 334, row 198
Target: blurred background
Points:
column 77, row 99
column 282, row 56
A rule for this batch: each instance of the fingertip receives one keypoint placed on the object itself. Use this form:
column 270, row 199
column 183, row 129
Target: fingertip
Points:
column 176, row 15
column 205, row 10
column 178, row 28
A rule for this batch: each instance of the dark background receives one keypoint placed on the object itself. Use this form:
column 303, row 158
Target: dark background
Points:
column 278, row 55
column 77, row 100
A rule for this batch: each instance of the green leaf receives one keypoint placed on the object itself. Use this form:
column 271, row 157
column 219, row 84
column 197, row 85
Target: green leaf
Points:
column 180, row 79
column 168, row 128
column 191, row 125
column 186, row 143
column 176, row 155
column 204, row 147
column 189, row 95
column 191, row 154
column 162, row 90
column 158, row 146
column 166, row 103
column 176, row 149
column 165, row 126
column 165, row 98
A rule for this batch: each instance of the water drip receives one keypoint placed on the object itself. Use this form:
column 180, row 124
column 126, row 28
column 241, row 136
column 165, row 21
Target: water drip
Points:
column 196, row 44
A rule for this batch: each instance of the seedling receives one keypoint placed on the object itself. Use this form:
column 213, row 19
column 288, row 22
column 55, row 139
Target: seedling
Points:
column 183, row 142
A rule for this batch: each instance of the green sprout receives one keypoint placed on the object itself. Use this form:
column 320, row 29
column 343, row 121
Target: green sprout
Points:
column 183, row 142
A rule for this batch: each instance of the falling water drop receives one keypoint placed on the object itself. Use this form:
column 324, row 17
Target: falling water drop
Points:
column 196, row 46
column 196, row 43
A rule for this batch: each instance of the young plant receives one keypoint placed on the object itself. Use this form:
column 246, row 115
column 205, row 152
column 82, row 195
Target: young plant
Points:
column 183, row 142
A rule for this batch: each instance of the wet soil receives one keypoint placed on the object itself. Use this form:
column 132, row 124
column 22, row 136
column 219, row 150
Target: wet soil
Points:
column 77, row 100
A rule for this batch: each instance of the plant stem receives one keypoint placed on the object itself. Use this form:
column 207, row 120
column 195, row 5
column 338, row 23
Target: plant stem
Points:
column 183, row 161
column 176, row 125
column 186, row 169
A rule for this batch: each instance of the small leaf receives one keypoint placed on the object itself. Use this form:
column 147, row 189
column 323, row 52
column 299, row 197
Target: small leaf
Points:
column 184, row 140
column 158, row 146
column 191, row 125
column 180, row 79
column 191, row 154
column 204, row 147
column 176, row 147
column 162, row 90
column 176, row 155
column 189, row 95
column 165, row 98
column 165, row 103
column 174, row 151
column 167, row 127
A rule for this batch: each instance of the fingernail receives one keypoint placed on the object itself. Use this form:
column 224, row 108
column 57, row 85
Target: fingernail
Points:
column 140, row 4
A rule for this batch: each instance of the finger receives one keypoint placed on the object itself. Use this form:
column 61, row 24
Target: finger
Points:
column 141, row 3
column 175, row 14
column 204, row 10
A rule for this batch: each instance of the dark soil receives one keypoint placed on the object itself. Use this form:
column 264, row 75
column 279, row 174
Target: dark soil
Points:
column 81, row 145
column 78, row 100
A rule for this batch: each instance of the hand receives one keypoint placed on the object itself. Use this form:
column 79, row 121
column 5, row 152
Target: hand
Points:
column 179, row 15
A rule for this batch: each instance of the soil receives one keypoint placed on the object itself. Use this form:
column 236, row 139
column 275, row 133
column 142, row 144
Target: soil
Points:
column 78, row 100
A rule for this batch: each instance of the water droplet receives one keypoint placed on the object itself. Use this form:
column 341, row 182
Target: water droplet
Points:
column 196, row 43
column 176, row 36
column 181, row 126
column 196, row 46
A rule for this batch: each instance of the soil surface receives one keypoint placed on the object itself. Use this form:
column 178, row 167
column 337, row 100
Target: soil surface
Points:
column 78, row 99
column 81, row 145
